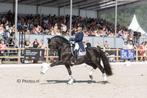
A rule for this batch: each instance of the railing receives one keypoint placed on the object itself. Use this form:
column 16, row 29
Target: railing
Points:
column 15, row 55
column 115, row 55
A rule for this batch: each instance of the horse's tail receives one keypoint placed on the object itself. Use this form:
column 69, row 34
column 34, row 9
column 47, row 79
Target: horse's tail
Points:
column 106, row 63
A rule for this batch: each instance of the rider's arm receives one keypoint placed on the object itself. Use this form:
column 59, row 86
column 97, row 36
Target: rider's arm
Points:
column 78, row 37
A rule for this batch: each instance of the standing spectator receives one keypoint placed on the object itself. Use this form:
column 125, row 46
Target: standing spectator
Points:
column 35, row 44
column 141, row 51
column 2, row 47
column 1, row 31
column 145, row 48
column 106, row 45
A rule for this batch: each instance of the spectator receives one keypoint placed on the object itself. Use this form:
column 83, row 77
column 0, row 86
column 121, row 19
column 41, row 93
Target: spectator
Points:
column 42, row 45
column 141, row 51
column 2, row 47
column 56, row 30
column 63, row 29
column 145, row 48
column 106, row 45
column 27, row 44
column 1, row 31
column 35, row 44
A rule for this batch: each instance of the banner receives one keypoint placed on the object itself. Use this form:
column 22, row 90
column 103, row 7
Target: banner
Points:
column 127, row 54
column 34, row 53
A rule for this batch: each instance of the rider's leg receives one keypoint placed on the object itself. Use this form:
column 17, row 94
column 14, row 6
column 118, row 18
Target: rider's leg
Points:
column 75, row 53
column 75, row 56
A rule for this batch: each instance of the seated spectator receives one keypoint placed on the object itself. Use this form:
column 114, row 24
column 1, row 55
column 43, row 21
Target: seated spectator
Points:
column 56, row 30
column 63, row 29
column 37, row 29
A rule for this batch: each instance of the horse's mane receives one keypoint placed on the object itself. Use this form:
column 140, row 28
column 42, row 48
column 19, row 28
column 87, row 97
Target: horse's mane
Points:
column 62, row 38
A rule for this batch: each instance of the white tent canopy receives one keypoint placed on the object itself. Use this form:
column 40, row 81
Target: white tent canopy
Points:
column 134, row 25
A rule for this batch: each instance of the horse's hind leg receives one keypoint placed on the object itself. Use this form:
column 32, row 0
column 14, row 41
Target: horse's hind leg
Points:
column 71, row 79
column 93, row 67
column 91, row 71
column 90, row 74
column 98, row 64
column 102, row 70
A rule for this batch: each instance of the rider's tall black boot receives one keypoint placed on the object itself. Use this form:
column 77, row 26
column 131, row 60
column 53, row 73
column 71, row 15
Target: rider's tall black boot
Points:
column 75, row 56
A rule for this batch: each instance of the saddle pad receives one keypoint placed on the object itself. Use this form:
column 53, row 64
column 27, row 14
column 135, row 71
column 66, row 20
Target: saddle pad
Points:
column 82, row 53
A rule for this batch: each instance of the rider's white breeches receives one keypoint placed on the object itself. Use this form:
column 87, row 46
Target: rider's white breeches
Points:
column 76, row 46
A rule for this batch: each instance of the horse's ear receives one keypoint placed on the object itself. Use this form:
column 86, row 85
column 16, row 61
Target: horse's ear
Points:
column 49, row 40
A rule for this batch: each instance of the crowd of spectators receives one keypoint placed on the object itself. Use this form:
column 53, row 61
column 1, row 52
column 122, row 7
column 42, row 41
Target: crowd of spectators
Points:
column 57, row 25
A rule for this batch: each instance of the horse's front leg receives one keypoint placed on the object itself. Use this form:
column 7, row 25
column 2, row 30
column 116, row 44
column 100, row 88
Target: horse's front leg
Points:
column 56, row 63
column 71, row 79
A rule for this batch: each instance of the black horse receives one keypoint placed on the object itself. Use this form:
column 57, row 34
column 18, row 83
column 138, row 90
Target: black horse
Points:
column 92, row 58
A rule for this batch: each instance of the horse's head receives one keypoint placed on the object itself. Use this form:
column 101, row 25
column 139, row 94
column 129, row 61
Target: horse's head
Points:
column 52, row 44
column 57, row 42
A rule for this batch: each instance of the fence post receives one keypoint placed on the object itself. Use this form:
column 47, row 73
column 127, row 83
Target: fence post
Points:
column 117, row 54
column 19, row 55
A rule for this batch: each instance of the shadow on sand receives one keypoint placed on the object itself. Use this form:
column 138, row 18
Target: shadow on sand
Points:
column 75, row 81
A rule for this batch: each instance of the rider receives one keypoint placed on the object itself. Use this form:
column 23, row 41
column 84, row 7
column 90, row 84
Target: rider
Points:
column 78, row 39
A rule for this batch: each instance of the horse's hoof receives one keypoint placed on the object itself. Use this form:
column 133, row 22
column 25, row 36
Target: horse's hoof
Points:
column 70, row 82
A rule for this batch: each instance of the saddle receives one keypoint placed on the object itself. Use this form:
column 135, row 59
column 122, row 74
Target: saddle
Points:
column 80, row 51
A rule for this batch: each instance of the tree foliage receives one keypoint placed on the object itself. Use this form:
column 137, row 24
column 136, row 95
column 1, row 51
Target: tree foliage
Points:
column 125, row 15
